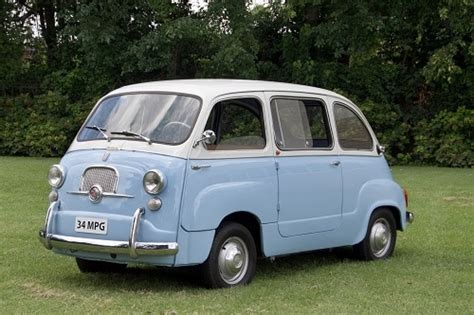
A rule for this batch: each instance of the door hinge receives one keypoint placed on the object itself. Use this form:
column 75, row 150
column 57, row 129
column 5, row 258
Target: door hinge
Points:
column 278, row 207
column 277, row 165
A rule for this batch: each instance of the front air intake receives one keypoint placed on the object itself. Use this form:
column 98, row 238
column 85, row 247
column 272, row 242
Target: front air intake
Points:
column 106, row 177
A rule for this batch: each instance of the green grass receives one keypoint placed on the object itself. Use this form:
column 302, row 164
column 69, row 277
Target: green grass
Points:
column 431, row 272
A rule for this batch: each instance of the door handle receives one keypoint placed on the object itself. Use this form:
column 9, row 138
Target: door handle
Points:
column 335, row 163
column 198, row 167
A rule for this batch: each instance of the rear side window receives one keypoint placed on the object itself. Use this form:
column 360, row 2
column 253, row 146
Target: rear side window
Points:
column 238, row 124
column 351, row 131
column 300, row 124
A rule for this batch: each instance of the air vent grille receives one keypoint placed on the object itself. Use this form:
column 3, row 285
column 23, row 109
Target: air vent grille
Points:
column 106, row 177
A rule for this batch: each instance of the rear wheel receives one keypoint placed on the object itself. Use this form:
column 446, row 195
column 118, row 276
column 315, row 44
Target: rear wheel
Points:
column 87, row 266
column 233, row 257
column 379, row 241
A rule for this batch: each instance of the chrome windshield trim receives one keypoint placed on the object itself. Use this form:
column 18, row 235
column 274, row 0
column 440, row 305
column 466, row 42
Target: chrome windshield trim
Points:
column 105, row 194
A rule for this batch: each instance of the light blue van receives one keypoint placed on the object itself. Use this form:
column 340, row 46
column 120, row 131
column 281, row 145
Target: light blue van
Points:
column 217, row 173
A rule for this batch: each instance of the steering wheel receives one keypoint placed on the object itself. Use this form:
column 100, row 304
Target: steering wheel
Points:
column 174, row 129
column 176, row 123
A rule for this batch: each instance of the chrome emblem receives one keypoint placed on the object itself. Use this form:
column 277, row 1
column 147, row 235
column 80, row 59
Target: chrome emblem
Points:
column 95, row 193
column 105, row 157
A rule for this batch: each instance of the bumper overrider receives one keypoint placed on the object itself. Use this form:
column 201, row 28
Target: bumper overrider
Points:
column 410, row 217
column 131, row 247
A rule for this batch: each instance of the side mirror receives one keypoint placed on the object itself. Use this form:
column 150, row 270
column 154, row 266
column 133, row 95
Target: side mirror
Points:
column 208, row 137
column 380, row 149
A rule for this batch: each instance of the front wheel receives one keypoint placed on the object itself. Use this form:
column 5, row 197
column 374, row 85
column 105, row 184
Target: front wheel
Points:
column 233, row 258
column 87, row 266
column 380, row 239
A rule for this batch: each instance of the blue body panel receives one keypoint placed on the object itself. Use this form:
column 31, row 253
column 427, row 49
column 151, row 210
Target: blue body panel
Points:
column 194, row 247
column 157, row 226
column 367, row 185
column 321, row 205
column 228, row 186
column 310, row 194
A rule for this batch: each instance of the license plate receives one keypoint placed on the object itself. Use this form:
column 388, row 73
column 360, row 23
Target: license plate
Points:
column 90, row 225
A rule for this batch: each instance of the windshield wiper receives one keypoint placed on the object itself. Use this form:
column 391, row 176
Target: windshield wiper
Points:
column 101, row 130
column 131, row 133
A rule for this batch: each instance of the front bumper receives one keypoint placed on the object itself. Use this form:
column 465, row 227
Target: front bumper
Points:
column 132, row 247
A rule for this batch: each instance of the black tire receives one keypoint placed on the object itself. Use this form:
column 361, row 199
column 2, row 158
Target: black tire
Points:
column 380, row 239
column 93, row 266
column 235, row 242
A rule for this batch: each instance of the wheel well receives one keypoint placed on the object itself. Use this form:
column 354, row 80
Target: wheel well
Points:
column 251, row 222
column 395, row 213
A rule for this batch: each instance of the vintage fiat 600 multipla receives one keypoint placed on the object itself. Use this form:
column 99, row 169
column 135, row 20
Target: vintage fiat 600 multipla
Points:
column 217, row 173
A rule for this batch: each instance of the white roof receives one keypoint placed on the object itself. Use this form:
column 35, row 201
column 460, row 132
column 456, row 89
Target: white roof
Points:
column 209, row 88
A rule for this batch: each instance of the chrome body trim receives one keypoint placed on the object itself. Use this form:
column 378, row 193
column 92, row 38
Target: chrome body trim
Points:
column 47, row 223
column 130, row 247
column 99, row 193
column 105, row 194
column 208, row 137
column 134, row 231
column 62, row 170
column 106, row 246
column 196, row 167
column 163, row 181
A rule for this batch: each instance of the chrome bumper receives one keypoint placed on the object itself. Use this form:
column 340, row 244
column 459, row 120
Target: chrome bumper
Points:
column 131, row 247
column 410, row 217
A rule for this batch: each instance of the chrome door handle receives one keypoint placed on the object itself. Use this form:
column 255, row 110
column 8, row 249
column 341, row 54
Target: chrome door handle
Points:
column 198, row 167
column 335, row 163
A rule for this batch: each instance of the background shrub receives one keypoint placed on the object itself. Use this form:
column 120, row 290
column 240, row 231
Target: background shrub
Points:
column 446, row 139
column 391, row 130
column 42, row 125
column 407, row 64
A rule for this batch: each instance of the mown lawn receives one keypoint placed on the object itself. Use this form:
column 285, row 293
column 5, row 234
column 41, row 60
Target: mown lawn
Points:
column 432, row 269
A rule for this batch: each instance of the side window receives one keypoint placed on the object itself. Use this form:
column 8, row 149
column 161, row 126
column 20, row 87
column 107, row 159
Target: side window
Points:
column 351, row 131
column 300, row 124
column 238, row 124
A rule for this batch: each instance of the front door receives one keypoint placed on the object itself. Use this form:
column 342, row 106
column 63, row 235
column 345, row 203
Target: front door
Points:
column 309, row 171
column 235, row 173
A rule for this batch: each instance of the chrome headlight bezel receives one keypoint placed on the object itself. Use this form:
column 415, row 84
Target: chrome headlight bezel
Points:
column 56, row 176
column 154, row 181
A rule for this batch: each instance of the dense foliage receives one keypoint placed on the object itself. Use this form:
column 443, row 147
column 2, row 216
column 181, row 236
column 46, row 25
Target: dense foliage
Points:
column 407, row 64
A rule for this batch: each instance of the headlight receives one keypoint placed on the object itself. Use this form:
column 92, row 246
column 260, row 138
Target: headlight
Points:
column 56, row 176
column 154, row 182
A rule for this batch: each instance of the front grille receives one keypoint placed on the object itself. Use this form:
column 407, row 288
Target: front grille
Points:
column 104, row 176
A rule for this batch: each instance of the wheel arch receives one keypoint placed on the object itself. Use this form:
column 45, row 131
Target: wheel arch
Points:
column 397, row 215
column 251, row 222
column 377, row 194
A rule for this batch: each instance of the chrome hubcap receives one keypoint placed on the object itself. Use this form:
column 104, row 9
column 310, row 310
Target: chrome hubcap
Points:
column 380, row 237
column 233, row 260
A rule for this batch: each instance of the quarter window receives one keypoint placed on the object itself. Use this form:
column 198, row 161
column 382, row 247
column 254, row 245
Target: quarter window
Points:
column 238, row 124
column 300, row 124
column 351, row 131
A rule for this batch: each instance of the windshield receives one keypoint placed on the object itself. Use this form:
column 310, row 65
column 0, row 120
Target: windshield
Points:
column 161, row 118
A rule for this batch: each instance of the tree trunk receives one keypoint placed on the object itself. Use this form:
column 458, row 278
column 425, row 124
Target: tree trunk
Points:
column 46, row 10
